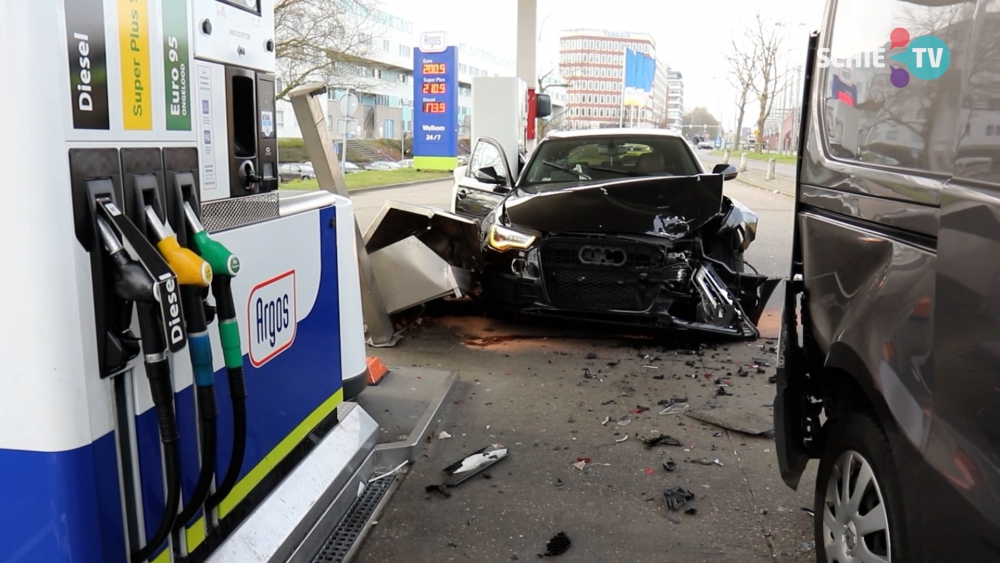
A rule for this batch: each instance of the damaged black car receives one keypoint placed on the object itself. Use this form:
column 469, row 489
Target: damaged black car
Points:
column 617, row 226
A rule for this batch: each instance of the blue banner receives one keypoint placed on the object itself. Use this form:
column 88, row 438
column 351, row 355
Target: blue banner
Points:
column 639, row 72
column 435, row 109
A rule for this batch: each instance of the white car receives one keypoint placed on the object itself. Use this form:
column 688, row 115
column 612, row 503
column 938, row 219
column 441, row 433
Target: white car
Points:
column 706, row 145
column 381, row 165
column 406, row 163
column 350, row 168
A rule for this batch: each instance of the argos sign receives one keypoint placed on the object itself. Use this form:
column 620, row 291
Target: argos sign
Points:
column 271, row 318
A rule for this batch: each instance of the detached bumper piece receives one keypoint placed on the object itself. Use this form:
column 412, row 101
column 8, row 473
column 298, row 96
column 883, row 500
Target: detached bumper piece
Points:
column 421, row 253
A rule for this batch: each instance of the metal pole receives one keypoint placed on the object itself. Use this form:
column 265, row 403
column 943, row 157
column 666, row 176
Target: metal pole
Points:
column 621, row 108
column 343, row 149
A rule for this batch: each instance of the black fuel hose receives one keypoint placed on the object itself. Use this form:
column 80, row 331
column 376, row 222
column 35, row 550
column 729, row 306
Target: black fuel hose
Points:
column 158, row 372
column 201, row 363
column 229, row 332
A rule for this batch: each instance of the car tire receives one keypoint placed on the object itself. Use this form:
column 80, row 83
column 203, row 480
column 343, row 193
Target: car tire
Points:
column 858, row 443
column 720, row 249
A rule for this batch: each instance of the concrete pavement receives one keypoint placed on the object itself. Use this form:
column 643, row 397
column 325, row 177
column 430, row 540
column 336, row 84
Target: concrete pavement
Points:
column 525, row 385
column 756, row 172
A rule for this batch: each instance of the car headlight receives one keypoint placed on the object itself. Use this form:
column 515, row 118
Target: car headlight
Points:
column 502, row 238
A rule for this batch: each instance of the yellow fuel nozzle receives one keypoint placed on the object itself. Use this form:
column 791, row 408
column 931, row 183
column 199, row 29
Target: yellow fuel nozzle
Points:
column 189, row 268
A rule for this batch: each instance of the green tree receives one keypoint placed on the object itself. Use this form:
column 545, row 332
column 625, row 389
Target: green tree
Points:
column 699, row 121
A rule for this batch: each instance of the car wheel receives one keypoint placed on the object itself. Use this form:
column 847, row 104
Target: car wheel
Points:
column 721, row 249
column 858, row 505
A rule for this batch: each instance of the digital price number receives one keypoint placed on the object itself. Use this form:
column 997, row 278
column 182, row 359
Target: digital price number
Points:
column 434, row 88
column 435, row 68
column 434, row 107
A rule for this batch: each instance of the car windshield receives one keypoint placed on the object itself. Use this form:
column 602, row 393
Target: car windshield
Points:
column 599, row 158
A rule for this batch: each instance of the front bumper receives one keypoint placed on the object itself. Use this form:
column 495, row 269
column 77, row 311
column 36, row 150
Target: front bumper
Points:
column 655, row 291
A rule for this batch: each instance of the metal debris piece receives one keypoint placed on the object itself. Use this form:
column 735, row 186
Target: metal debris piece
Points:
column 676, row 408
column 558, row 545
column 472, row 464
column 392, row 471
column 660, row 440
column 676, row 497
column 733, row 419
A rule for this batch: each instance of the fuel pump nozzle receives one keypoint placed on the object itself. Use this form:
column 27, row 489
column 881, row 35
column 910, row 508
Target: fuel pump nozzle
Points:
column 193, row 274
column 133, row 283
column 226, row 265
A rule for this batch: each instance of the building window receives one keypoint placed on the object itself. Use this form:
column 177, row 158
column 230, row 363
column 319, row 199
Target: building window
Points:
column 401, row 78
column 279, row 118
column 377, row 73
column 385, row 45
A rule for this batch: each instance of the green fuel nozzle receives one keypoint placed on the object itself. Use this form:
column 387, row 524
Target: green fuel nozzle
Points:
column 223, row 262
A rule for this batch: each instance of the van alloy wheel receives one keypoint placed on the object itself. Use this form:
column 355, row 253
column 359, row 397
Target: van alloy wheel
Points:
column 855, row 520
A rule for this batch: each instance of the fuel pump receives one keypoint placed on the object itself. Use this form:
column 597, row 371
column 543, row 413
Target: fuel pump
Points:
column 149, row 138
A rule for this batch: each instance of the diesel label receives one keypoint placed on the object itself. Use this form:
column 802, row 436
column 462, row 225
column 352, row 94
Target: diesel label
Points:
column 87, row 63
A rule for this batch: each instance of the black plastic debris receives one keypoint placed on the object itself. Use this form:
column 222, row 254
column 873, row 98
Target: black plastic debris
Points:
column 592, row 356
column 473, row 463
column 772, row 379
column 660, row 440
column 438, row 489
column 670, row 465
column 608, row 402
column 676, row 497
column 661, row 376
column 743, row 371
column 639, row 409
column 614, row 363
column 587, row 374
column 689, row 363
column 487, row 476
column 692, row 511
column 558, row 545
column 717, row 434
column 721, row 390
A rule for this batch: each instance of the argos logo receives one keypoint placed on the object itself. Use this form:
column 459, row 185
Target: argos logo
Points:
column 271, row 318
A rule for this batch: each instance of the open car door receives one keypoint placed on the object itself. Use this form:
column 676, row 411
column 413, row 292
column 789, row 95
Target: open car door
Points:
column 486, row 180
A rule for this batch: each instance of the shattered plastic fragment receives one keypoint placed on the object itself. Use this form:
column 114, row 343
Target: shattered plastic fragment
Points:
column 639, row 409
column 660, row 440
column 670, row 465
column 676, row 408
column 692, row 511
column 472, row 464
column 623, row 438
column 438, row 489
column 624, row 420
column 592, row 356
column 558, row 545
column 607, row 419
column 442, row 435
column 676, row 497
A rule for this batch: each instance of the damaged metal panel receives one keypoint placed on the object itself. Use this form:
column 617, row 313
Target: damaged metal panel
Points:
column 421, row 253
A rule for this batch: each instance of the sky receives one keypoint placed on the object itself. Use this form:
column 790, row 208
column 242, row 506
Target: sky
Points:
column 691, row 36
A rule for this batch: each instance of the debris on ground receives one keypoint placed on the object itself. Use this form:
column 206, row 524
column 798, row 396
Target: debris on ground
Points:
column 676, row 408
column 622, row 439
column 559, row 482
column 721, row 390
column 661, row 376
column 624, row 420
column 614, row 363
column 442, row 435
column 809, row 511
column 743, row 371
column 472, row 464
column 438, row 489
column 592, row 356
column 670, row 465
column 607, row 419
column 639, row 409
column 732, row 419
column 581, row 462
column 660, row 440
column 608, row 402
column 676, row 497
column 772, row 379
column 587, row 374
column 558, row 545
column 692, row 511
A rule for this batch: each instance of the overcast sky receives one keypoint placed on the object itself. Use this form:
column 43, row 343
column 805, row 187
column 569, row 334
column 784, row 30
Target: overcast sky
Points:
column 691, row 36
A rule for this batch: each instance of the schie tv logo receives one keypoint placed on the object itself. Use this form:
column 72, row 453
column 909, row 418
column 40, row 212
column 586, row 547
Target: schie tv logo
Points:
column 271, row 318
column 926, row 57
column 433, row 42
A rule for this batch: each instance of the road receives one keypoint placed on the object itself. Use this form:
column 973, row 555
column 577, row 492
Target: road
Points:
column 525, row 386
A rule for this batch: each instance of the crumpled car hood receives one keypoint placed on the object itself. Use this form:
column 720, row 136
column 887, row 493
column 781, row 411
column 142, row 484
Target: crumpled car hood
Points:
column 667, row 206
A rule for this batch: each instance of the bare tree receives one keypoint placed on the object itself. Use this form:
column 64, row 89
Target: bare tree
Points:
column 766, row 38
column 324, row 41
column 743, row 62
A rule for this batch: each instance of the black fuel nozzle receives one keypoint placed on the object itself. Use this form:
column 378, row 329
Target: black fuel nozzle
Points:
column 134, row 283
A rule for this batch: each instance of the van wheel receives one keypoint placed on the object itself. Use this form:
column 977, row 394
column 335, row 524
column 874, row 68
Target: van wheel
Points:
column 858, row 502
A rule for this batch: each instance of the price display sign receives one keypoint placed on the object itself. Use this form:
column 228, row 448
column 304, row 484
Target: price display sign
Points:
column 435, row 109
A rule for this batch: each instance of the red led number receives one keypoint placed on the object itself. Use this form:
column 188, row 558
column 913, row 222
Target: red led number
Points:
column 434, row 107
column 434, row 88
column 434, row 68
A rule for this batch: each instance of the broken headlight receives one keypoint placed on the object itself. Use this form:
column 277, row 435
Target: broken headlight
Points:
column 502, row 238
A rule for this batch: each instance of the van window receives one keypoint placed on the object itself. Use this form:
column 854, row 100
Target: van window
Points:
column 875, row 109
column 978, row 153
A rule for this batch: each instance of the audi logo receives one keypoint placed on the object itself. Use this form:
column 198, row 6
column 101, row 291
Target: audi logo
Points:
column 602, row 255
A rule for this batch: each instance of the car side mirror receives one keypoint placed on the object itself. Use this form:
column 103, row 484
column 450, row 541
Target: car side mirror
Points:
column 728, row 171
column 543, row 105
column 488, row 175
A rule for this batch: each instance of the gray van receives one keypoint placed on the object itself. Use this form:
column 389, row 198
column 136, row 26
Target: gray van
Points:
column 889, row 359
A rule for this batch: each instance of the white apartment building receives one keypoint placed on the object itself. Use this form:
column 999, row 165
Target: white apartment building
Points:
column 675, row 99
column 385, row 83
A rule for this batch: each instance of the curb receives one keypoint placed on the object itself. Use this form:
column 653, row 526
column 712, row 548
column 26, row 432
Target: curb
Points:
column 402, row 185
column 760, row 186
